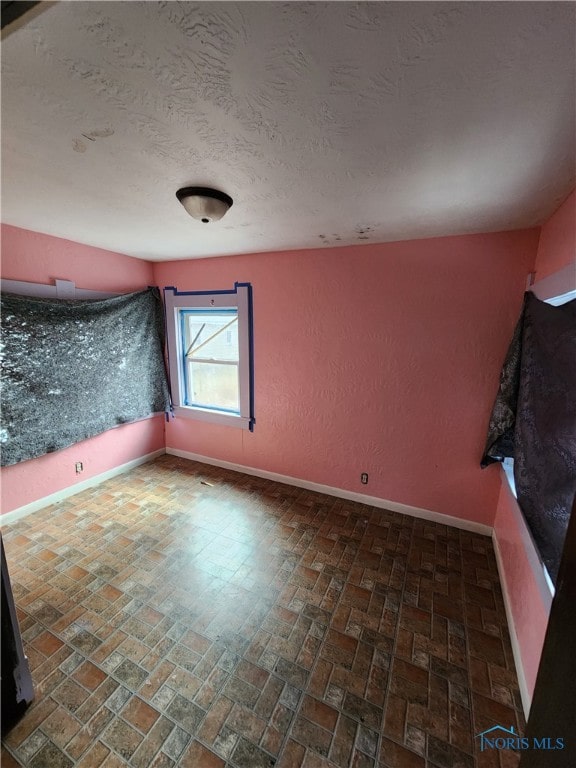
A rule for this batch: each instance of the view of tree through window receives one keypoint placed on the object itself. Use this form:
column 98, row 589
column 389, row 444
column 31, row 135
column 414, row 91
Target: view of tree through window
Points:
column 211, row 358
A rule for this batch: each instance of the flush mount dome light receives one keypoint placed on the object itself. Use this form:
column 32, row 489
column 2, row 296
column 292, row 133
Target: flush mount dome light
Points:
column 204, row 204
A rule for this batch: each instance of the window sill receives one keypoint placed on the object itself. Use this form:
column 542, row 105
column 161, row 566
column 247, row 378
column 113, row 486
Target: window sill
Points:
column 214, row 417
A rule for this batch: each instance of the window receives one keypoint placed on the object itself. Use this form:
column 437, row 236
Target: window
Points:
column 210, row 354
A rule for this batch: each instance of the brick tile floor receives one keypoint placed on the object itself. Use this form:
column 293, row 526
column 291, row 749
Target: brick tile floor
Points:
column 184, row 615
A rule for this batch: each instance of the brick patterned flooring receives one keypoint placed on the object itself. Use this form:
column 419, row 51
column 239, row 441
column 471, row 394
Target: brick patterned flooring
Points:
column 184, row 615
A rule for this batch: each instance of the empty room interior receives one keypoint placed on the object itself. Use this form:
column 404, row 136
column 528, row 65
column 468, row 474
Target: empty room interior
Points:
column 288, row 384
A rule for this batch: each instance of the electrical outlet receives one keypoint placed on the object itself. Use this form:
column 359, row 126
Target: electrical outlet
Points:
column 364, row 478
column 79, row 467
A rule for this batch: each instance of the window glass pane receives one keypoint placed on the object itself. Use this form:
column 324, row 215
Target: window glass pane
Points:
column 209, row 339
column 213, row 385
column 212, row 335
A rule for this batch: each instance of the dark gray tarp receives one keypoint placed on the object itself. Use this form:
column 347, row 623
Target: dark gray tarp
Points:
column 534, row 421
column 73, row 369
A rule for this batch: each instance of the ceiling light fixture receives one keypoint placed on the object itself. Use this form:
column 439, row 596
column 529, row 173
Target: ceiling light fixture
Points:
column 204, row 204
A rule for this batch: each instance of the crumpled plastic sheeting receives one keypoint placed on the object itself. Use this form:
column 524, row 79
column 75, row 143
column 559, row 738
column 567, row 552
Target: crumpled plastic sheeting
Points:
column 73, row 369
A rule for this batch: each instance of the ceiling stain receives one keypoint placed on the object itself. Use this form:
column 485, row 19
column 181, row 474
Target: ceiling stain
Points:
column 363, row 231
column 103, row 133
column 360, row 232
column 79, row 146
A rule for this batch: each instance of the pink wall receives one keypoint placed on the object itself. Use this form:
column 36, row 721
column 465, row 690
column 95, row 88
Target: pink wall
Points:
column 557, row 246
column 378, row 358
column 40, row 258
column 529, row 611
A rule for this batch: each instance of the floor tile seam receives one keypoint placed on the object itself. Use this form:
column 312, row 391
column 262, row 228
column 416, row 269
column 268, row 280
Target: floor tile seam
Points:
column 121, row 683
column 12, row 750
column 20, row 761
column 227, row 760
column 38, row 729
column 111, row 675
column 113, row 750
column 432, row 612
column 82, row 686
column 59, row 634
column 469, row 675
column 298, row 709
column 392, row 657
column 65, row 644
column 118, row 715
column 159, row 750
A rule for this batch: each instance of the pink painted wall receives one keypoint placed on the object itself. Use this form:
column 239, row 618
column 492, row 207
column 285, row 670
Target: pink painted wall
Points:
column 377, row 358
column 557, row 246
column 528, row 607
column 40, row 258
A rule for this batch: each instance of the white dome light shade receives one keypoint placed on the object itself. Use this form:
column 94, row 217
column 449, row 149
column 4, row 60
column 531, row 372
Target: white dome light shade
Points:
column 204, row 204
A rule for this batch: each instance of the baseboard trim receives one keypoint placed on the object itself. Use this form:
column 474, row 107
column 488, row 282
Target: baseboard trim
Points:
column 72, row 490
column 522, row 684
column 374, row 501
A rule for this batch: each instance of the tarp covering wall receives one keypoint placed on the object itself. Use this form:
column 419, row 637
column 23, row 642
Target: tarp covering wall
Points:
column 73, row 369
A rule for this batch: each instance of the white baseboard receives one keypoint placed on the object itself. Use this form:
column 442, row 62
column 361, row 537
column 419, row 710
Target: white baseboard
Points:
column 374, row 501
column 72, row 490
column 522, row 685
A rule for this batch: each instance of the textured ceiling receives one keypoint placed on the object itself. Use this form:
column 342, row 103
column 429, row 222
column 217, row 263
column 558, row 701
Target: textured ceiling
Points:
column 328, row 123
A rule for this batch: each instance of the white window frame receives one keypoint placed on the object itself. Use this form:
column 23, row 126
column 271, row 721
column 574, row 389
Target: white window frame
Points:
column 240, row 299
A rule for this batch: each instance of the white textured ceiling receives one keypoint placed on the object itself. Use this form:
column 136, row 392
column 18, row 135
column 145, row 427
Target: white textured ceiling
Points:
column 328, row 123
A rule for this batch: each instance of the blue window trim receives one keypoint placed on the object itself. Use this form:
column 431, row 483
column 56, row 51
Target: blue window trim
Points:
column 233, row 291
